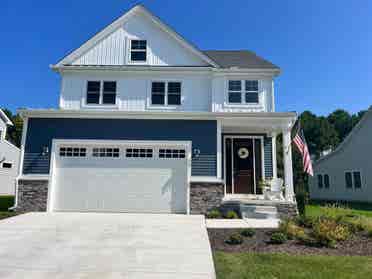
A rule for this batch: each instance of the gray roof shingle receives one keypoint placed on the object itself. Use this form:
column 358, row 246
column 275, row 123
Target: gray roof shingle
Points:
column 242, row 59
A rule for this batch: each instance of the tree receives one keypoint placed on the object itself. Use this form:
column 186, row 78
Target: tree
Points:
column 341, row 120
column 14, row 133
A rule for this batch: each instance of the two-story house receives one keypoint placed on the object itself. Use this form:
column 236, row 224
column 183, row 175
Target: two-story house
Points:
column 147, row 122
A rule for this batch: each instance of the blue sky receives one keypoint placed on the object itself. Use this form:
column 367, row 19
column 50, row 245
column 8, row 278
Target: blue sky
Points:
column 323, row 47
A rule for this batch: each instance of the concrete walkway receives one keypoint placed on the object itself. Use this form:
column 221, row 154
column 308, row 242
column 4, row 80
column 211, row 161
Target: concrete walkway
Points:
column 270, row 223
column 102, row 245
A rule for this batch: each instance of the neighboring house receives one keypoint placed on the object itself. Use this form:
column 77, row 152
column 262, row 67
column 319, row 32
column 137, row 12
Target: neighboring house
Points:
column 9, row 159
column 346, row 173
column 147, row 122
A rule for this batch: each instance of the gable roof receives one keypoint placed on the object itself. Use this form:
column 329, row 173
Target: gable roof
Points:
column 357, row 127
column 120, row 21
column 241, row 59
column 5, row 118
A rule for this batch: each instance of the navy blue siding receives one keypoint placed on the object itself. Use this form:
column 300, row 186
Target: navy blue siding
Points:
column 41, row 132
column 268, row 151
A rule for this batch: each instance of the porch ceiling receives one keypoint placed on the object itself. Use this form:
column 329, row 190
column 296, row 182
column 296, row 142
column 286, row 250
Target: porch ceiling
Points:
column 257, row 124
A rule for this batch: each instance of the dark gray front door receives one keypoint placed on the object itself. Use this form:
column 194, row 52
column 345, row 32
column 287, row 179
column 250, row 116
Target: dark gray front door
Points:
column 243, row 170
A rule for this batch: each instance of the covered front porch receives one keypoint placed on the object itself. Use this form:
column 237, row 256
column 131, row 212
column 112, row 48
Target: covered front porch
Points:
column 247, row 157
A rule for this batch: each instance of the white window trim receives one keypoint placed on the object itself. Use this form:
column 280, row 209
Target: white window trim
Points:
column 352, row 179
column 243, row 104
column 100, row 105
column 165, row 106
column 129, row 50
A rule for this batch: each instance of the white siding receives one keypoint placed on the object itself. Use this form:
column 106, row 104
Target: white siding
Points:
column 220, row 94
column 162, row 48
column 10, row 154
column 354, row 155
column 133, row 90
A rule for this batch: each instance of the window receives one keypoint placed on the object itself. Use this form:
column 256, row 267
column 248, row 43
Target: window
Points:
column 158, row 93
column 72, row 152
column 101, row 93
column 236, row 89
column 251, row 91
column 166, row 93
column 7, row 165
column 138, row 50
column 109, row 92
column 172, row 153
column 348, row 180
column 326, row 181
column 93, row 92
column 357, row 179
column 138, row 152
column 320, row 181
column 174, row 93
column 106, row 152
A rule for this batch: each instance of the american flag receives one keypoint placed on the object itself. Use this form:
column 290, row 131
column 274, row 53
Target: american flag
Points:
column 300, row 142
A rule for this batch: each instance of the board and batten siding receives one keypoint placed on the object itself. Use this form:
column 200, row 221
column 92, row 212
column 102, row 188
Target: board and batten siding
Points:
column 220, row 95
column 134, row 90
column 41, row 132
column 163, row 50
column 354, row 154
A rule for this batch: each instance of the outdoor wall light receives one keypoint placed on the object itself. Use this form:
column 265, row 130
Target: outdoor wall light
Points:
column 196, row 153
column 45, row 150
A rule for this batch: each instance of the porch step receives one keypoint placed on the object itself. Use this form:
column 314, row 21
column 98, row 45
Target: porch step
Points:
column 258, row 211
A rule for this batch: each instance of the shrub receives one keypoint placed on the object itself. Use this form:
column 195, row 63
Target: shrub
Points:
column 234, row 239
column 291, row 230
column 278, row 238
column 327, row 232
column 214, row 214
column 231, row 214
column 248, row 232
column 307, row 240
column 306, row 221
column 369, row 233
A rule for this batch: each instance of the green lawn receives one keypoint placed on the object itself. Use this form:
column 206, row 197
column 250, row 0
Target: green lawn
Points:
column 363, row 209
column 5, row 203
column 281, row 266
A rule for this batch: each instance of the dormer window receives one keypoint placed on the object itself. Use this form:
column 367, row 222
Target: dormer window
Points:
column 138, row 51
column 101, row 93
column 243, row 92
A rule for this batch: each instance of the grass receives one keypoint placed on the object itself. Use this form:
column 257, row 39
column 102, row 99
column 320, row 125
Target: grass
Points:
column 358, row 209
column 278, row 266
column 6, row 202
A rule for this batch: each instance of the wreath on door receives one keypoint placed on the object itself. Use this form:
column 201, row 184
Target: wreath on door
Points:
column 243, row 153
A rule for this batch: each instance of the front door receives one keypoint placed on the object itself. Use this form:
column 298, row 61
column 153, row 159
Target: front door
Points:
column 242, row 165
column 243, row 171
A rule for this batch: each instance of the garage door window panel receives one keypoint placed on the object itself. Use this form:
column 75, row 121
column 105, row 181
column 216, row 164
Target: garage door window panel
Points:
column 172, row 153
column 139, row 153
column 72, row 152
column 106, row 152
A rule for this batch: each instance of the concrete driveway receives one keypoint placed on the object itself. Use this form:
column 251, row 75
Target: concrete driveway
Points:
column 104, row 245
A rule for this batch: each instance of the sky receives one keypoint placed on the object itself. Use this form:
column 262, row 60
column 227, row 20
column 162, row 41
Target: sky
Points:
column 323, row 47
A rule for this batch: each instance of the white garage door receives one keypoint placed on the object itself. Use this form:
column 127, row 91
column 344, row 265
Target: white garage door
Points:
column 126, row 177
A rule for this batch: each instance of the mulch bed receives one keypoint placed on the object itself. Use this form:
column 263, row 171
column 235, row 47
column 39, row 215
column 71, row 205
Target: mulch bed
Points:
column 358, row 245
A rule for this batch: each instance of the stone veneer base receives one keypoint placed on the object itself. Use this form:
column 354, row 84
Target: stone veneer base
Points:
column 32, row 195
column 205, row 196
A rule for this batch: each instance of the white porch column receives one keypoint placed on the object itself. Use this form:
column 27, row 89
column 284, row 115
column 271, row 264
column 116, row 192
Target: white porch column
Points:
column 273, row 148
column 219, row 149
column 287, row 162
